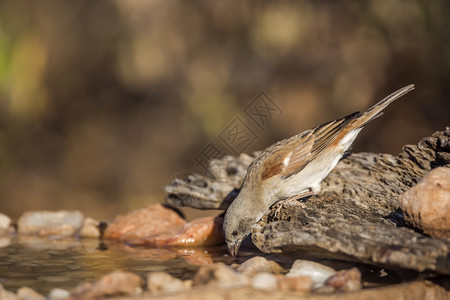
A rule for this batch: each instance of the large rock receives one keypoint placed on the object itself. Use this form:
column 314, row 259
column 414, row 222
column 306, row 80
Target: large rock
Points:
column 427, row 204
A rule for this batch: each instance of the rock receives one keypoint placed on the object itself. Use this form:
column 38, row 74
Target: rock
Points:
column 114, row 283
column 90, row 229
column 345, row 280
column 317, row 272
column 7, row 295
column 202, row 232
column 58, row 294
column 5, row 223
column 264, row 281
column 25, row 293
column 164, row 282
column 302, row 284
column 141, row 224
column 427, row 204
column 218, row 274
column 50, row 223
column 258, row 264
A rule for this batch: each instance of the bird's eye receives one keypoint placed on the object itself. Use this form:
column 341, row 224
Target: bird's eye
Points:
column 234, row 233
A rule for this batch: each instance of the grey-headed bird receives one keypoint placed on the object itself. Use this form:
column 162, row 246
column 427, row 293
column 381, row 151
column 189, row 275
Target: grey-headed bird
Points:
column 294, row 168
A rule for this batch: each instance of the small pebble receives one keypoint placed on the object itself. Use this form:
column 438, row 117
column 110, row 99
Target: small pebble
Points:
column 258, row 264
column 317, row 272
column 295, row 284
column 27, row 293
column 89, row 229
column 345, row 280
column 218, row 274
column 162, row 281
column 58, row 294
column 264, row 281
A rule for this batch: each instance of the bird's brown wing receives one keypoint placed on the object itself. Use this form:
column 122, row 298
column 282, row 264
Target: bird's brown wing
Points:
column 294, row 155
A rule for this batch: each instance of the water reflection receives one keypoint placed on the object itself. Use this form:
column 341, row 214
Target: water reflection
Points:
column 46, row 263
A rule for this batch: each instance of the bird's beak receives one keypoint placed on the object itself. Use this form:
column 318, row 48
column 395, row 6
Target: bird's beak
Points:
column 233, row 248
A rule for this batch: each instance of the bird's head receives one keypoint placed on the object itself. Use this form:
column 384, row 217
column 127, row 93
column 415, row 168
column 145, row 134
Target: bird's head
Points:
column 237, row 224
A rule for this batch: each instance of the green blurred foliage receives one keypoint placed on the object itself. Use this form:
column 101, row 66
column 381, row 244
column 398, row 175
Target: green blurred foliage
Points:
column 101, row 102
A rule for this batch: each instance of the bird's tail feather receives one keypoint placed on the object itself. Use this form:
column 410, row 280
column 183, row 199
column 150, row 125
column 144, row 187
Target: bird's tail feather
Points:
column 376, row 110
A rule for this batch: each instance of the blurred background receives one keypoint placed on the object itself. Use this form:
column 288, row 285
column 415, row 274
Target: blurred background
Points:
column 103, row 102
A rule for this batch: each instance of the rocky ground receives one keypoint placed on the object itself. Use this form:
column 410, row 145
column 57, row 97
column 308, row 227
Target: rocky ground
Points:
column 389, row 212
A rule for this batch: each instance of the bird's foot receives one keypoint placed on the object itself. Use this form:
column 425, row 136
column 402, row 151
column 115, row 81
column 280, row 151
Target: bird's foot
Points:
column 282, row 204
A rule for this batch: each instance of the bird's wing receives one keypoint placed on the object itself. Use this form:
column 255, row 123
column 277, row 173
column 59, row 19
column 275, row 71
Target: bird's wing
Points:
column 293, row 155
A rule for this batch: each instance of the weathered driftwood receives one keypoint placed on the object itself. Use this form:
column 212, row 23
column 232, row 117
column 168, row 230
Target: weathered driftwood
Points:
column 355, row 216
column 216, row 190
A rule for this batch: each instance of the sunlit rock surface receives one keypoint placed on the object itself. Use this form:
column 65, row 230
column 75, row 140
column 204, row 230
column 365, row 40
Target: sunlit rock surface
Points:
column 427, row 204
column 143, row 223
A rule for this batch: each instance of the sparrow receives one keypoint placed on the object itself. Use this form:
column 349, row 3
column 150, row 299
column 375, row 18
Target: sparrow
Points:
column 294, row 168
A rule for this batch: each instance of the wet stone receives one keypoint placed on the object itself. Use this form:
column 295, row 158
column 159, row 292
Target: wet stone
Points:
column 50, row 223
column 202, row 232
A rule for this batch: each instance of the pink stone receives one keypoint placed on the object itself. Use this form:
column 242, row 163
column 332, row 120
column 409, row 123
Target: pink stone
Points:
column 153, row 220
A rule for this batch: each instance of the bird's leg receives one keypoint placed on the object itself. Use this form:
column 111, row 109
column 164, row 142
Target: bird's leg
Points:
column 309, row 192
